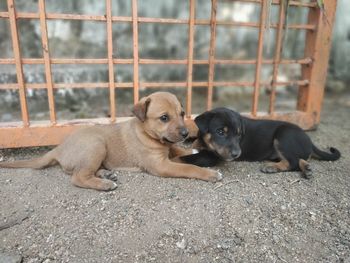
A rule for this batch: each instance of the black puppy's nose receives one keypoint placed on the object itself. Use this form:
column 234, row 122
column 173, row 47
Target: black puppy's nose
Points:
column 235, row 154
column 184, row 132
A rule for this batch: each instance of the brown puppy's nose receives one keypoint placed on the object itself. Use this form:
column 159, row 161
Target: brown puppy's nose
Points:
column 184, row 132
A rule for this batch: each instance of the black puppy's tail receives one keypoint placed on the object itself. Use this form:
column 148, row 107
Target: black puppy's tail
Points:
column 325, row 156
column 203, row 158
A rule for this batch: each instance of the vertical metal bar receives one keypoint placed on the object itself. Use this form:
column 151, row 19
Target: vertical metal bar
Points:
column 277, row 59
column 110, row 60
column 190, row 58
column 135, row 37
column 211, row 53
column 317, row 46
column 18, row 62
column 259, row 57
column 45, row 44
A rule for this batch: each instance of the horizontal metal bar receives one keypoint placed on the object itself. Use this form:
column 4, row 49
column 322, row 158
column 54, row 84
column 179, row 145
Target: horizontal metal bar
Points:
column 24, row 15
column 277, row 2
column 9, row 61
column 14, row 135
column 14, row 86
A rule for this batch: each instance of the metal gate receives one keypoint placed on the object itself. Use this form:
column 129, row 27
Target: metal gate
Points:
column 310, row 86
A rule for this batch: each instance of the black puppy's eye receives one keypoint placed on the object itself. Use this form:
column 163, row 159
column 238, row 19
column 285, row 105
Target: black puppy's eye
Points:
column 220, row 132
column 164, row 118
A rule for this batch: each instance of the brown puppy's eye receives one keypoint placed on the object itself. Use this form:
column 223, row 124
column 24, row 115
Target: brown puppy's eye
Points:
column 182, row 113
column 164, row 118
column 220, row 132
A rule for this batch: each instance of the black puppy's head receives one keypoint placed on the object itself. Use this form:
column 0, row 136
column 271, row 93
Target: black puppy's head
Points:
column 221, row 130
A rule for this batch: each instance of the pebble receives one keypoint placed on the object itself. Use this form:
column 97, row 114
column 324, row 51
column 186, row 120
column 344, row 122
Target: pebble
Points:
column 181, row 244
column 10, row 257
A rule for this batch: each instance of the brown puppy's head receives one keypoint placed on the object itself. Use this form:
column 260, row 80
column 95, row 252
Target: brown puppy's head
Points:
column 221, row 130
column 162, row 117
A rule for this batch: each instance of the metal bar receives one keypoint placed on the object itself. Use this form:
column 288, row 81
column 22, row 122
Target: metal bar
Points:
column 46, row 54
column 8, row 61
column 12, row 135
column 259, row 57
column 318, row 45
column 110, row 61
column 277, row 2
column 19, row 69
column 135, row 39
column 211, row 54
column 277, row 59
column 190, row 57
column 205, row 84
column 153, row 20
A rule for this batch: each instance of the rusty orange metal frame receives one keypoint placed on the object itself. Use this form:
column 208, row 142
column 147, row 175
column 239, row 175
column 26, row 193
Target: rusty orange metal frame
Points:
column 51, row 132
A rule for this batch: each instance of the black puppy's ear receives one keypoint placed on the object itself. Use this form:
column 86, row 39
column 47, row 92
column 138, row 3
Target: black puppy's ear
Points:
column 140, row 108
column 202, row 121
column 242, row 125
column 238, row 116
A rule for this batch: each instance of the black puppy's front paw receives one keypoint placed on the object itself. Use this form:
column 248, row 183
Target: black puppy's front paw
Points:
column 269, row 169
column 107, row 174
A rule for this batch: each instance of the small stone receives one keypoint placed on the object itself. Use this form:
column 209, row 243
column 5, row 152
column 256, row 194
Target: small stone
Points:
column 181, row 244
column 10, row 257
column 248, row 200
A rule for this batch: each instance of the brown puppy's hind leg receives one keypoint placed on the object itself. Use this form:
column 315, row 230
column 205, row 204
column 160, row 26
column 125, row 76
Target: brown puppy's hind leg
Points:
column 85, row 178
column 275, row 167
column 305, row 168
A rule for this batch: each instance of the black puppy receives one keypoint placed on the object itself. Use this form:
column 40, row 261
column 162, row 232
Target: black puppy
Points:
column 226, row 135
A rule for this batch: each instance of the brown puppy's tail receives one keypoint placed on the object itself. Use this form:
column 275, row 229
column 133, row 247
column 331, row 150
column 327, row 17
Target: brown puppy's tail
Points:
column 44, row 161
column 325, row 156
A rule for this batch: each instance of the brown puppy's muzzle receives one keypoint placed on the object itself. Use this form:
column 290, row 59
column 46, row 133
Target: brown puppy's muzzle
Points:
column 177, row 135
column 183, row 132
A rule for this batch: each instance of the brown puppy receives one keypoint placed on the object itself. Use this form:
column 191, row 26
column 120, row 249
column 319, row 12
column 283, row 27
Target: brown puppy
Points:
column 146, row 142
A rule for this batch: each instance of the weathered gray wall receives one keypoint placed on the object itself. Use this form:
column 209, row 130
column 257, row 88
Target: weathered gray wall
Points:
column 82, row 39
column 339, row 67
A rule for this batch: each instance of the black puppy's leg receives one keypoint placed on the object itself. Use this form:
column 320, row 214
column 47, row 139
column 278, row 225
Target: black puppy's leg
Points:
column 275, row 167
column 107, row 174
column 296, row 147
column 305, row 168
column 204, row 158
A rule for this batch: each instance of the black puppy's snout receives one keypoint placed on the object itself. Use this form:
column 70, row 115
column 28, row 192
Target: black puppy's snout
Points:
column 235, row 153
column 184, row 132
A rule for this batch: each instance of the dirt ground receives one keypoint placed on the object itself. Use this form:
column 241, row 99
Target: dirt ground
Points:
column 248, row 217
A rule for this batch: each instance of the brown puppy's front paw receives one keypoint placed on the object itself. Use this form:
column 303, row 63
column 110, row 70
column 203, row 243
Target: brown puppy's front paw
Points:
column 269, row 169
column 215, row 176
column 307, row 172
column 108, row 185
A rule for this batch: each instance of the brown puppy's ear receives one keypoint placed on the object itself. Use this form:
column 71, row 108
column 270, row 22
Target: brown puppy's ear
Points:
column 192, row 128
column 140, row 108
column 202, row 121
